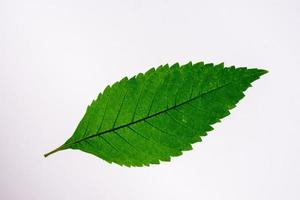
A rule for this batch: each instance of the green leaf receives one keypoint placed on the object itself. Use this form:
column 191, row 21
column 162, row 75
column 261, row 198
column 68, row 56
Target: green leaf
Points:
column 154, row 116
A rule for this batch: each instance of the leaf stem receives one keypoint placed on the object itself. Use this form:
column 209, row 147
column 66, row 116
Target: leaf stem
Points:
column 62, row 147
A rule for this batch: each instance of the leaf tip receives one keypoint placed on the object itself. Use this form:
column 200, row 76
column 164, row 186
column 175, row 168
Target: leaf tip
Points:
column 263, row 71
column 260, row 72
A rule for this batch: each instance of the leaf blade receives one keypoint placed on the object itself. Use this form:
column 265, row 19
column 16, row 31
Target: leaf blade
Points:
column 165, row 110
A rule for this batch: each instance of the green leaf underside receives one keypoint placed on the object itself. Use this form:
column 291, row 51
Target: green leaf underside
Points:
column 154, row 116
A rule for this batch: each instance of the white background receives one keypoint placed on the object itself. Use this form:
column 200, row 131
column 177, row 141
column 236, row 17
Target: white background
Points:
column 56, row 56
